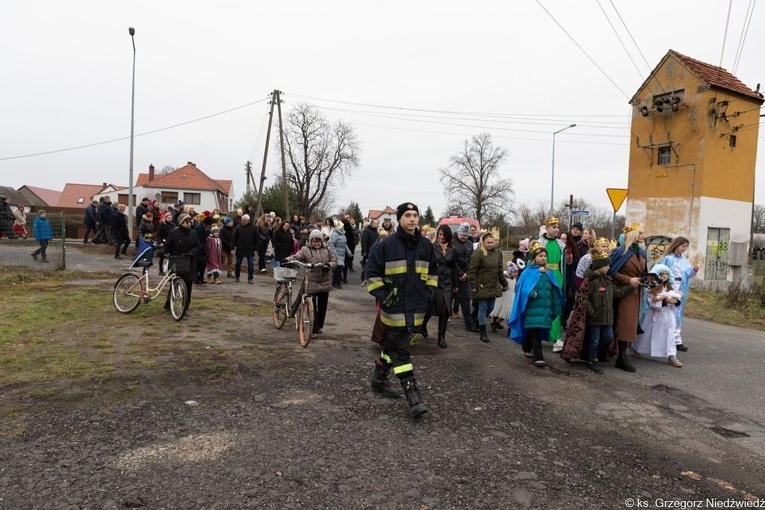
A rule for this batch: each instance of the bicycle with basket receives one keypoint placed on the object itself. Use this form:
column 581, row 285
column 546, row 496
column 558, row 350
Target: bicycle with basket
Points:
column 289, row 304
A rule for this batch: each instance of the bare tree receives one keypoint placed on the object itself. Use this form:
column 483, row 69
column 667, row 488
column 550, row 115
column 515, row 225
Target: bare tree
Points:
column 472, row 177
column 167, row 169
column 319, row 156
column 758, row 219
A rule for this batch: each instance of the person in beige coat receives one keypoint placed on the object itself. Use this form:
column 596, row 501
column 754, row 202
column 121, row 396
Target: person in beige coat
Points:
column 486, row 275
column 319, row 282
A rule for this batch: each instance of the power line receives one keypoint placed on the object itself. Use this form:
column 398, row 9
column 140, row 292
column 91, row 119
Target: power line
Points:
column 127, row 137
column 744, row 33
column 455, row 112
column 388, row 116
column 620, row 40
column 725, row 37
column 583, row 51
column 650, row 69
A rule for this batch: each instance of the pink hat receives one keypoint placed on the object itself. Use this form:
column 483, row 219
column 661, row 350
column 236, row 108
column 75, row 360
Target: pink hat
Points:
column 523, row 245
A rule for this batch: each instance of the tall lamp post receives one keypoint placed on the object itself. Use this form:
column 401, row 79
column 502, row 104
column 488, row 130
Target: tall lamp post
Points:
column 552, row 175
column 131, row 201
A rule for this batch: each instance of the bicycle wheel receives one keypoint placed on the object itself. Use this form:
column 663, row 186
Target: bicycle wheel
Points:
column 281, row 302
column 305, row 321
column 127, row 293
column 178, row 293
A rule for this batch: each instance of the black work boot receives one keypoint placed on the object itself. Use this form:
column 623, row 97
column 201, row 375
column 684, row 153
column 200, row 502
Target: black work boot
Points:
column 416, row 406
column 380, row 382
column 621, row 358
column 484, row 336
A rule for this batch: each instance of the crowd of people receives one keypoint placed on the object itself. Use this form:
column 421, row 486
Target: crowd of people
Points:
column 590, row 297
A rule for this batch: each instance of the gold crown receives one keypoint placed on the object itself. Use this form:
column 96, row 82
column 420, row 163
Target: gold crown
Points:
column 629, row 228
column 552, row 220
column 536, row 245
column 600, row 255
column 601, row 240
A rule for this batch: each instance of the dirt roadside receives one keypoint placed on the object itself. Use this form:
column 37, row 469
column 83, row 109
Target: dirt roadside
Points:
column 235, row 414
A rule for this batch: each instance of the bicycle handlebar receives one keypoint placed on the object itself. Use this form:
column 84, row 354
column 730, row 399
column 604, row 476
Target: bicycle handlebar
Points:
column 300, row 264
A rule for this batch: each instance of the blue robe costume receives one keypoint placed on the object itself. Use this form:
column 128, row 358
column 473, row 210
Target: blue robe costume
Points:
column 527, row 282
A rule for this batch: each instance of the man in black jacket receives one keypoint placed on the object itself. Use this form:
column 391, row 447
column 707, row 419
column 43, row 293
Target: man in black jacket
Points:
column 463, row 250
column 105, row 216
column 402, row 276
column 368, row 238
column 243, row 241
column 90, row 221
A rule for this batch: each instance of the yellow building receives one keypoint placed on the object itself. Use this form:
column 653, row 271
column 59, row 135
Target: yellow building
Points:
column 692, row 162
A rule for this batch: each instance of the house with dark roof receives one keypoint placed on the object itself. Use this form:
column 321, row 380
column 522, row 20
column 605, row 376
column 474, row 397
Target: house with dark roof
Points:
column 189, row 184
column 693, row 150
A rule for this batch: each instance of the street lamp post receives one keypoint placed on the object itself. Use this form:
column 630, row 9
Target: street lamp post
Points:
column 131, row 201
column 552, row 175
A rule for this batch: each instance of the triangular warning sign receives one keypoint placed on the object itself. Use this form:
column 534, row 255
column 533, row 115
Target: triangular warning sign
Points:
column 617, row 196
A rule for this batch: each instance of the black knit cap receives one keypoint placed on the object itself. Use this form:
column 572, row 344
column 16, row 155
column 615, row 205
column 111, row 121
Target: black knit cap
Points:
column 406, row 206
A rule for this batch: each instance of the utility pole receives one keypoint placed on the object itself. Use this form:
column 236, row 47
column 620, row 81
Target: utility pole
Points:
column 285, row 184
column 259, row 208
column 248, row 177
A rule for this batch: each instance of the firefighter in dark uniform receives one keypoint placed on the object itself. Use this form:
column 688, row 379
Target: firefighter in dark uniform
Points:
column 401, row 273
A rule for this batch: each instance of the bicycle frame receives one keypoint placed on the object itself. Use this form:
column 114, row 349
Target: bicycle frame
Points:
column 298, row 298
column 142, row 290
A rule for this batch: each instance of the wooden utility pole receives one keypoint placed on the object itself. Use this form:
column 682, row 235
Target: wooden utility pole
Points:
column 285, row 184
column 259, row 207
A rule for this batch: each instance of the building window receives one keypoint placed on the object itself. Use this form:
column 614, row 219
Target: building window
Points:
column 732, row 141
column 192, row 198
column 665, row 155
column 80, row 200
column 169, row 197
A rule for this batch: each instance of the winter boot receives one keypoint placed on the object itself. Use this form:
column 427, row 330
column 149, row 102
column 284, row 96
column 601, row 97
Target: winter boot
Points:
column 218, row 281
column 442, row 322
column 380, row 382
column 209, row 278
column 496, row 325
column 621, row 358
column 44, row 258
column 484, row 337
column 593, row 366
column 424, row 327
column 416, row 406
column 34, row 255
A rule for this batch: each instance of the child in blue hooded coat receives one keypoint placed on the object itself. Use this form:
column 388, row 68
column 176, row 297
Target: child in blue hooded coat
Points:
column 538, row 301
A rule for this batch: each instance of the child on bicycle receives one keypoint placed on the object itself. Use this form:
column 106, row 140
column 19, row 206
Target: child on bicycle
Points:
column 319, row 281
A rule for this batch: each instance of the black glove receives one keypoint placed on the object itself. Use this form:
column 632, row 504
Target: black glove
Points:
column 326, row 267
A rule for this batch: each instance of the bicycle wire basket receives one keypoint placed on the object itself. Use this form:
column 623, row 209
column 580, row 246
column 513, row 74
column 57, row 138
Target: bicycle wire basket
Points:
column 284, row 274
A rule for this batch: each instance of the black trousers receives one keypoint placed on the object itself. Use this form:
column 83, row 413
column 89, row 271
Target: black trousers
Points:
column 320, row 300
column 533, row 343
column 396, row 352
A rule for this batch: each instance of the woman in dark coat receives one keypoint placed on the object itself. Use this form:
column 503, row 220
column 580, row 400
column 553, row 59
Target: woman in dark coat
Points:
column 183, row 241
column 627, row 265
column 486, row 276
column 283, row 242
column 120, row 231
column 447, row 282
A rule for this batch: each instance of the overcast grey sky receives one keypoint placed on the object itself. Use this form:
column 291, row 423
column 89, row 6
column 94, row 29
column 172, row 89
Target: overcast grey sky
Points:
column 66, row 82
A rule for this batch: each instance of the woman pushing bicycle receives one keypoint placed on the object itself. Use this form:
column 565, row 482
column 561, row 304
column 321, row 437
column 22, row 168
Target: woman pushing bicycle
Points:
column 183, row 241
column 319, row 280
